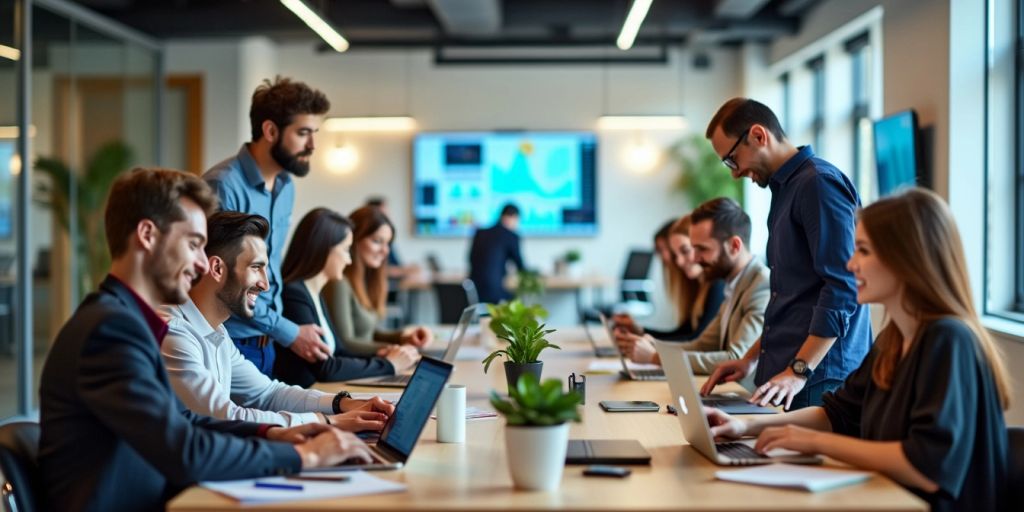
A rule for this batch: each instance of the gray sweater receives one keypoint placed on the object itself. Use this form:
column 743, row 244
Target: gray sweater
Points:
column 355, row 324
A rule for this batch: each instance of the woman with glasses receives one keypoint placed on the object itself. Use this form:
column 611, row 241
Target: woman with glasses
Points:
column 925, row 408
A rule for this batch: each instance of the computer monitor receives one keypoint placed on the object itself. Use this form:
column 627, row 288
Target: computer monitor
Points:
column 897, row 152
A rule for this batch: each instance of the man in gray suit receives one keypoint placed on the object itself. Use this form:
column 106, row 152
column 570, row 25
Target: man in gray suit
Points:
column 720, row 234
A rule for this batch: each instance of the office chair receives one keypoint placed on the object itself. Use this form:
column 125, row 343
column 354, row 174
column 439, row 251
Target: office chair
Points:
column 635, row 288
column 1015, row 446
column 19, row 467
column 396, row 310
column 452, row 298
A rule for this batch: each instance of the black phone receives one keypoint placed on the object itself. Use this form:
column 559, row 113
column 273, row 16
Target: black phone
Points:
column 629, row 406
column 613, row 471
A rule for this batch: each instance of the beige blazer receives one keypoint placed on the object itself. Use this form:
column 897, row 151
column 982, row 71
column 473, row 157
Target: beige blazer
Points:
column 746, row 308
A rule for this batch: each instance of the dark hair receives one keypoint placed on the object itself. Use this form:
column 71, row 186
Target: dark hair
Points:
column 317, row 233
column 153, row 194
column 226, row 230
column 727, row 219
column 375, row 201
column 737, row 116
column 281, row 100
column 509, row 209
column 662, row 232
column 369, row 285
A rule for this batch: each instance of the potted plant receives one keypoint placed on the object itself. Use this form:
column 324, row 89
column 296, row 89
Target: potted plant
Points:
column 537, row 420
column 529, row 284
column 505, row 314
column 525, row 343
column 572, row 260
column 702, row 175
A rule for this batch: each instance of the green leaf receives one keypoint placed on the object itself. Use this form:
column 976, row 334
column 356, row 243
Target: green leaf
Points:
column 487, row 361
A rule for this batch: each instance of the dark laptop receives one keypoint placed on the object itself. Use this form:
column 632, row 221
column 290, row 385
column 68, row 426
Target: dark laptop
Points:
column 604, row 348
column 404, row 427
column 606, row 451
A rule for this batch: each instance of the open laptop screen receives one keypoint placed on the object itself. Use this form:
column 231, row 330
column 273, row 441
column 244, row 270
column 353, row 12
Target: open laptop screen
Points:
column 465, row 319
column 405, row 426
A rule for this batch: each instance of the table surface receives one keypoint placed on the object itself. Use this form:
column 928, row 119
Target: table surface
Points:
column 474, row 475
column 423, row 281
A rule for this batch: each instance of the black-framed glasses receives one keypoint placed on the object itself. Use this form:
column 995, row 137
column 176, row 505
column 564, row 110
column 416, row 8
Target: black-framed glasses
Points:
column 727, row 159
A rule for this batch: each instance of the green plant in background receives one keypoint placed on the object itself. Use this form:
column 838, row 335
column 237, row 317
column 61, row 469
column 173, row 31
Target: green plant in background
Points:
column 531, row 403
column 572, row 256
column 89, row 191
column 702, row 174
column 525, row 344
column 511, row 316
column 529, row 284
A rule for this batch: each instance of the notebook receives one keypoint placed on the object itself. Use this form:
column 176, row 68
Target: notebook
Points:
column 808, row 478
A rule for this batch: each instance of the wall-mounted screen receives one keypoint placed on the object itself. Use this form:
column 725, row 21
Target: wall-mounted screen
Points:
column 461, row 180
column 896, row 152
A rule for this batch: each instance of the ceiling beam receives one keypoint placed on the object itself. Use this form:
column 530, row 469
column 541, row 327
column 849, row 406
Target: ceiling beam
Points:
column 468, row 18
column 738, row 9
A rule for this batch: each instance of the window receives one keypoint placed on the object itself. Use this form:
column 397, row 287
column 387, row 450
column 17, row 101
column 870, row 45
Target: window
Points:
column 1018, row 305
column 859, row 49
column 786, row 91
column 817, row 69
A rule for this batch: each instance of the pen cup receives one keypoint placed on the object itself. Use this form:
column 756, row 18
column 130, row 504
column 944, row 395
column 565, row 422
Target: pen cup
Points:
column 579, row 385
column 451, row 414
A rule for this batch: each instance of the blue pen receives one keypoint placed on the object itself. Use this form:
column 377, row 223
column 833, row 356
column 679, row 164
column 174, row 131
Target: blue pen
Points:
column 285, row 487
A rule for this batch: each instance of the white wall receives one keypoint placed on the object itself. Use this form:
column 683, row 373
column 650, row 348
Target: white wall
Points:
column 406, row 82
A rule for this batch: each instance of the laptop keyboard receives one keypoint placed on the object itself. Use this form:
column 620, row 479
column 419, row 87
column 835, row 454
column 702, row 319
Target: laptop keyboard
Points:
column 649, row 374
column 738, row 451
column 400, row 379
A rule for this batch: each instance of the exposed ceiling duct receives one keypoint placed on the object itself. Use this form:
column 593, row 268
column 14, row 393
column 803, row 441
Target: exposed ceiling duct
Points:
column 468, row 18
column 738, row 9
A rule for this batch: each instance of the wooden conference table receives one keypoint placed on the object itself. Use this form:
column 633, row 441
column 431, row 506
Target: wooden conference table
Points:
column 474, row 475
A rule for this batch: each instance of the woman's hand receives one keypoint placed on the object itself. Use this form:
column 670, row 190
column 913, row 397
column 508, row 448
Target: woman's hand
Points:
column 417, row 336
column 359, row 420
column 790, row 437
column 725, row 427
column 402, row 357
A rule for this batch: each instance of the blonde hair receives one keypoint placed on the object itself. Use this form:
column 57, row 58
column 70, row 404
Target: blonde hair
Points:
column 689, row 295
column 915, row 236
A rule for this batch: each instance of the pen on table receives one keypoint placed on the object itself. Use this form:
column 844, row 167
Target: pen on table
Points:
column 318, row 478
column 283, row 487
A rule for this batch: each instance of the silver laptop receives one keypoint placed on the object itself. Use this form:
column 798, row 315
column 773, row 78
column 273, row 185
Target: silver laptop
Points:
column 694, row 423
column 401, row 380
column 606, row 346
column 403, row 428
column 627, row 372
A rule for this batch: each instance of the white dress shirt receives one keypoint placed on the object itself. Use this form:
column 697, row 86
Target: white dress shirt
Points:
column 212, row 378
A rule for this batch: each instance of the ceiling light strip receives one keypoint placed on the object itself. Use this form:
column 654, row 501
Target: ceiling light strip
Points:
column 634, row 19
column 8, row 52
column 369, row 124
column 318, row 24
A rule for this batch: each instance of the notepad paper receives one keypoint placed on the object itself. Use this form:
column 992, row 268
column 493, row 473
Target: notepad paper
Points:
column 474, row 413
column 360, row 483
column 808, row 478
column 615, row 366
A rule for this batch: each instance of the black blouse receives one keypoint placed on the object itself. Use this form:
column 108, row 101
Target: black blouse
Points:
column 290, row 368
column 944, row 408
column 687, row 331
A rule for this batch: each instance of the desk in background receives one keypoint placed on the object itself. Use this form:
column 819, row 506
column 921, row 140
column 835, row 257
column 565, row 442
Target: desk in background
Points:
column 474, row 475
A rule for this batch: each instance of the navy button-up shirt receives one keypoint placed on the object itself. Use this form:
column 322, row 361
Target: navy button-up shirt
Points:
column 241, row 188
column 810, row 238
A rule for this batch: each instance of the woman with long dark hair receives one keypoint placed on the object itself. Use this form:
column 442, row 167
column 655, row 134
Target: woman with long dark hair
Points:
column 925, row 408
column 318, row 254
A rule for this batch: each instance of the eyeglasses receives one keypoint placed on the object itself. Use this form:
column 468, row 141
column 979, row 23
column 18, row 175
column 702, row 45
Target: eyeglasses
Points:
column 727, row 159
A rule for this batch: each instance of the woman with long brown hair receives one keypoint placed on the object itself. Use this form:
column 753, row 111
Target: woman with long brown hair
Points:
column 359, row 301
column 696, row 299
column 318, row 254
column 925, row 408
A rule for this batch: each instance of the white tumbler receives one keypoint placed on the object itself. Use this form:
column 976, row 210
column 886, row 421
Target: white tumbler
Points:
column 451, row 414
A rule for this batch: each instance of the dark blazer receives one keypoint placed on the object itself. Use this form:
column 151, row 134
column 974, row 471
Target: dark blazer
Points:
column 290, row 368
column 114, row 435
column 491, row 250
column 686, row 331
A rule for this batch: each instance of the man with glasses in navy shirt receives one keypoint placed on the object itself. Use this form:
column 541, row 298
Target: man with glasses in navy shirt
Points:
column 815, row 333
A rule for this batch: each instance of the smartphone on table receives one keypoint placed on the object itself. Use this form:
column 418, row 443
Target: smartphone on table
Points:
column 628, row 406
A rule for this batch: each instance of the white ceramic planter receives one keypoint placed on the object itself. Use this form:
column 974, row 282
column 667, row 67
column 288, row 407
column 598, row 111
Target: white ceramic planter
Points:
column 536, row 455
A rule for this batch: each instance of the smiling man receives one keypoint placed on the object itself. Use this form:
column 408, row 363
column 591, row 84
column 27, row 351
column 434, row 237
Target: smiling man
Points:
column 815, row 333
column 283, row 117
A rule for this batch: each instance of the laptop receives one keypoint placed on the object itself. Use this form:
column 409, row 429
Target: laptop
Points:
column 606, row 451
column 628, row 372
column 403, row 428
column 607, row 349
column 694, row 423
column 401, row 380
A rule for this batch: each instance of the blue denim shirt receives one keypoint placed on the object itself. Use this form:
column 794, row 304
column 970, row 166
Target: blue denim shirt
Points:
column 241, row 188
column 810, row 238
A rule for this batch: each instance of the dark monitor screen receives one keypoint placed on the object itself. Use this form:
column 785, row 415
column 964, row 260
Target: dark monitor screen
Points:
column 638, row 265
column 896, row 152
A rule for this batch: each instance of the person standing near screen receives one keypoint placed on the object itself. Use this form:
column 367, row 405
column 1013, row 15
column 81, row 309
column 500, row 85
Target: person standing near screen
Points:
column 284, row 115
column 815, row 333
column 490, row 252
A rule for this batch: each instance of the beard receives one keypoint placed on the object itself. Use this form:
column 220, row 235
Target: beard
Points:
column 167, row 279
column 290, row 162
column 233, row 295
column 718, row 269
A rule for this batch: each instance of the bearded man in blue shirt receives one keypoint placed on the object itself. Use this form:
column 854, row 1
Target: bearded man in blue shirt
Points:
column 815, row 333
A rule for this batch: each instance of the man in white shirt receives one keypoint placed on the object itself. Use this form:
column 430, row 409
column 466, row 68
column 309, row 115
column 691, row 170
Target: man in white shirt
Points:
column 207, row 371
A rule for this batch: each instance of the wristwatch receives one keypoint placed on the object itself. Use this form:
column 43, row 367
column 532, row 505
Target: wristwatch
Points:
column 337, row 400
column 801, row 368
